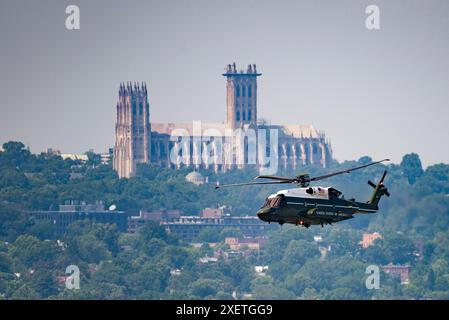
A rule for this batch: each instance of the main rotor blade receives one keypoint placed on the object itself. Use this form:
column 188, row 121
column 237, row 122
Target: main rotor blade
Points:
column 249, row 183
column 275, row 178
column 346, row 171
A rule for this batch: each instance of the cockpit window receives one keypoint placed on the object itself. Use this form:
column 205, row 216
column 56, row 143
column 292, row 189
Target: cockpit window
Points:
column 274, row 202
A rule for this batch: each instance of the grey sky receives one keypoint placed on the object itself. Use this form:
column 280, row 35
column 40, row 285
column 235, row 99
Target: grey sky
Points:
column 381, row 93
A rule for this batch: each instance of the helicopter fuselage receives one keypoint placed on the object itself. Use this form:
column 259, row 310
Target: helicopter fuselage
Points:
column 311, row 206
column 306, row 205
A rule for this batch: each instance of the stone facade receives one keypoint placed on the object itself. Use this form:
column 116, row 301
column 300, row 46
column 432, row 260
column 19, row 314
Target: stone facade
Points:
column 214, row 146
column 241, row 96
column 132, row 129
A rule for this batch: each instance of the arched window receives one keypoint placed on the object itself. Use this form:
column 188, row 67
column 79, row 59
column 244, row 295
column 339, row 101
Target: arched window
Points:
column 249, row 115
column 237, row 91
column 249, row 91
column 238, row 116
column 243, row 91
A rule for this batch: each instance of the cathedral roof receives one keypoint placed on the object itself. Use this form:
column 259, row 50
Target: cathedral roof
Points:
column 218, row 129
column 301, row 130
column 213, row 129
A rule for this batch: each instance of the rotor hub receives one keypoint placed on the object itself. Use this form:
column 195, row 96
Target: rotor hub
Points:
column 303, row 180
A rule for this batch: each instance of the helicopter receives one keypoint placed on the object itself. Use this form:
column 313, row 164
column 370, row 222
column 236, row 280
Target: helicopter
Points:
column 306, row 205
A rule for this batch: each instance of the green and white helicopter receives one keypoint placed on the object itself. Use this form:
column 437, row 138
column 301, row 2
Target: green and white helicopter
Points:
column 306, row 205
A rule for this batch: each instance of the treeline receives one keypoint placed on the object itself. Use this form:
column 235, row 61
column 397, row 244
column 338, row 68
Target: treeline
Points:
column 154, row 265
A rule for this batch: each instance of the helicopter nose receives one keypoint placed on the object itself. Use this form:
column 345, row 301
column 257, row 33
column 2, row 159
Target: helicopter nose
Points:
column 264, row 213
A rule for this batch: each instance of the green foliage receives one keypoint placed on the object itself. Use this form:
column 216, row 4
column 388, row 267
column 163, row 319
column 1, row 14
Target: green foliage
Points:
column 205, row 288
column 155, row 265
column 268, row 289
column 411, row 166
column 91, row 243
column 30, row 251
column 208, row 235
column 93, row 158
column 12, row 223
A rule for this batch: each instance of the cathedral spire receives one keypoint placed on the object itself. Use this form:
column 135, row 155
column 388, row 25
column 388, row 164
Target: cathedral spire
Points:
column 241, row 96
column 132, row 130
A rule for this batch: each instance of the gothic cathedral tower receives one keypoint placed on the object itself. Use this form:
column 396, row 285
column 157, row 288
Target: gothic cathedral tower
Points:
column 132, row 129
column 241, row 96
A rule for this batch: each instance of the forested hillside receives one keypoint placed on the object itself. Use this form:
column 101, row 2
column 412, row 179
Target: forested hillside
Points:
column 414, row 224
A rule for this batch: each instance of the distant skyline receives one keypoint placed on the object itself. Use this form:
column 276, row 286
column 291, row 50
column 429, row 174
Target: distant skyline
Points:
column 381, row 93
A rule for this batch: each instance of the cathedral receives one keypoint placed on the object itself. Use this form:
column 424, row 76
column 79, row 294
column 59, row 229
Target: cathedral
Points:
column 240, row 141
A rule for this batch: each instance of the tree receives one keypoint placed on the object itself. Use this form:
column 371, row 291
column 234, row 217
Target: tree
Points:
column 299, row 281
column 93, row 159
column 397, row 248
column 12, row 178
column 310, row 294
column 412, row 167
column 209, row 235
column 231, row 232
column 31, row 251
column 87, row 247
column 14, row 154
column 365, row 160
column 5, row 263
column 266, row 289
column 205, row 287
column 12, row 223
column 223, row 296
column 25, row 292
column 431, row 279
column 108, row 234
column 298, row 251
column 42, row 229
column 14, row 147
column 151, row 230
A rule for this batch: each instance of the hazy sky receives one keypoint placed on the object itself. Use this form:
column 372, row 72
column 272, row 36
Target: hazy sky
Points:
column 382, row 93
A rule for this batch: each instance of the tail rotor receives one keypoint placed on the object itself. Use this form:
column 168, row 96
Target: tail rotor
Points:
column 379, row 190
